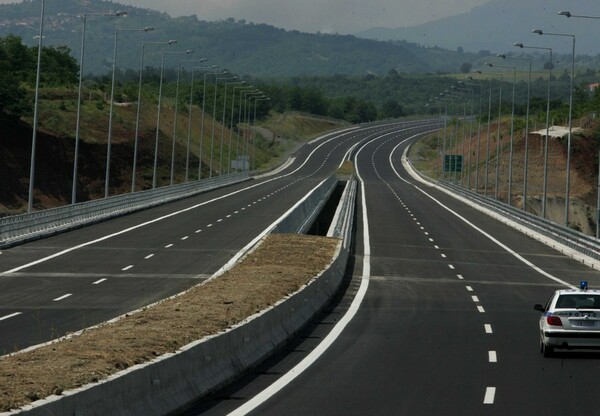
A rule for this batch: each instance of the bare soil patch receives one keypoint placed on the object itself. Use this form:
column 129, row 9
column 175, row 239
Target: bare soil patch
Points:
column 281, row 265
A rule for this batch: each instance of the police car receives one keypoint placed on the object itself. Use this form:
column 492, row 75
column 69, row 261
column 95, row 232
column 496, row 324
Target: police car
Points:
column 570, row 320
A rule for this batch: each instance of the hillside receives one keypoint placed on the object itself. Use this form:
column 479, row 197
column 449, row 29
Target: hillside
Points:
column 242, row 47
column 584, row 168
column 498, row 24
column 55, row 148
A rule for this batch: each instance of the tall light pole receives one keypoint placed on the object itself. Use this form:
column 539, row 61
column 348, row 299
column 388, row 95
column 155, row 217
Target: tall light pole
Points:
column 472, row 93
column 162, row 72
column 262, row 98
column 139, row 107
column 176, row 113
column 451, row 100
column 568, row 14
column 568, row 185
column 202, row 123
column 84, row 17
column 112, row 100
column 489, row 132
column 249, row 90
column 512, row 128
column 231, row 124
column 212, row 134
column 526, row 161
column 235, row 78
column 35, row 111
column 189, row 136
column 545, row 184
column 479, row 130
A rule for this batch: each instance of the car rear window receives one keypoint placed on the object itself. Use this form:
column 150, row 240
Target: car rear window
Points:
column 578, row 301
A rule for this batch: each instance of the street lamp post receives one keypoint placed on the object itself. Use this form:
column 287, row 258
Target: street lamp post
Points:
column 84, row 17
column 176, row 113
column 489, row 132
column 441, row 97
column 212, row 134
column 35, row 111
column 526, row 161
column 472, row 93
column 139, row 107
column 189, row 138
column 231, row 123
column 223, row 126
column 162, row 71
column 202, row 123
column 250, row 90
column 479, row 131
column 512, row 128
column 568, row 14
column 545, row 183
column 112, row 100
column 256, row 100
column 568, row 184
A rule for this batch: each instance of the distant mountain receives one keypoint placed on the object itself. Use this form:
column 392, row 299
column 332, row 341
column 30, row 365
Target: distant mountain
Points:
column 242, row 47
column 498, row 24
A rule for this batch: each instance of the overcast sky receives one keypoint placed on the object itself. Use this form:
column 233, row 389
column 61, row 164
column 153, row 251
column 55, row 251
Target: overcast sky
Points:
column 327, row 16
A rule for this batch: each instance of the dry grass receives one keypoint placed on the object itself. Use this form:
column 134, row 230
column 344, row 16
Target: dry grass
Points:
column 279, row 267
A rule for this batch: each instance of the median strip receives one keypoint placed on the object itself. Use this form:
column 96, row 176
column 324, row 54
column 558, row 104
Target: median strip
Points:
column 280, row 266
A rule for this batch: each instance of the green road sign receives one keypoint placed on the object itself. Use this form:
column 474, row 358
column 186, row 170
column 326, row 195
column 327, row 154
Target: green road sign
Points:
column 453, row 163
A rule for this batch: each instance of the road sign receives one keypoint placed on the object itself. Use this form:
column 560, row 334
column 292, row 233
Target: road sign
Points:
column 453, row 163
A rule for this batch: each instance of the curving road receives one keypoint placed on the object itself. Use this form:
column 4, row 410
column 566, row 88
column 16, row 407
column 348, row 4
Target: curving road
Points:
column 77, row 279
column 437, row 317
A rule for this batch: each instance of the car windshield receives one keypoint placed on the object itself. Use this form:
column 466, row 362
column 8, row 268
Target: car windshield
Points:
column 578, row 301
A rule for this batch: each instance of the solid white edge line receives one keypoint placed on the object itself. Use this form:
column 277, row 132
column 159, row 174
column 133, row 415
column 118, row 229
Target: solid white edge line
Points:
column 287, row 378
column 490, row 395
column 62, row 297
column 172, row 214
column 470, row 224
column 12, row 315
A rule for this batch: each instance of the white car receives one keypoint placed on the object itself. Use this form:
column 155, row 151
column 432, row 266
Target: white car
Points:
column 570, row 320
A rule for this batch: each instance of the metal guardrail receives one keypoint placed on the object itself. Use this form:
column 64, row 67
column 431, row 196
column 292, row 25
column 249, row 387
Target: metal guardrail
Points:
column 17, row 229
column 573, row 239
column 583, row 243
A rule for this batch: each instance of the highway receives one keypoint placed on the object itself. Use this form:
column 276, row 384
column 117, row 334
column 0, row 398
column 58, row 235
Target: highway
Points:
column 73, row 280
column 436, row 318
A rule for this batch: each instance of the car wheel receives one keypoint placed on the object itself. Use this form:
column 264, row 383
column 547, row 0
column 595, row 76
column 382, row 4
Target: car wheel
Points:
column 548, row 350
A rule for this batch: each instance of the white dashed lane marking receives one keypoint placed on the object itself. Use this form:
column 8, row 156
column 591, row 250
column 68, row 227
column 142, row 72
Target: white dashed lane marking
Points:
column 127, row 268
column 97, row 282
column 149, row 256
column 12, row 315
column 492, row 356
column 62, row 297
column 169, row 246
column 488, row 329
column 490, row 395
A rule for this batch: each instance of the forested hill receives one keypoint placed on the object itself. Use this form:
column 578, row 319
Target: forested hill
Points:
column 240, row 46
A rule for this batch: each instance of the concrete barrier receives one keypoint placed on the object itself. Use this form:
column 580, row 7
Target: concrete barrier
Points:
column 173, row 381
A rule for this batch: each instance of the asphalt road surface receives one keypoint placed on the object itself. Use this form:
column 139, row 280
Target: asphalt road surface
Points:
column 77, row 279
column 436, row 317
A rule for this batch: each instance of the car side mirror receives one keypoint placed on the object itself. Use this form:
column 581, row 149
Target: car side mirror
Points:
column 539, row 307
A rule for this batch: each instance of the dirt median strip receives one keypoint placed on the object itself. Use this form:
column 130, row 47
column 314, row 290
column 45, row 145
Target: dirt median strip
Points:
column 281, row 265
